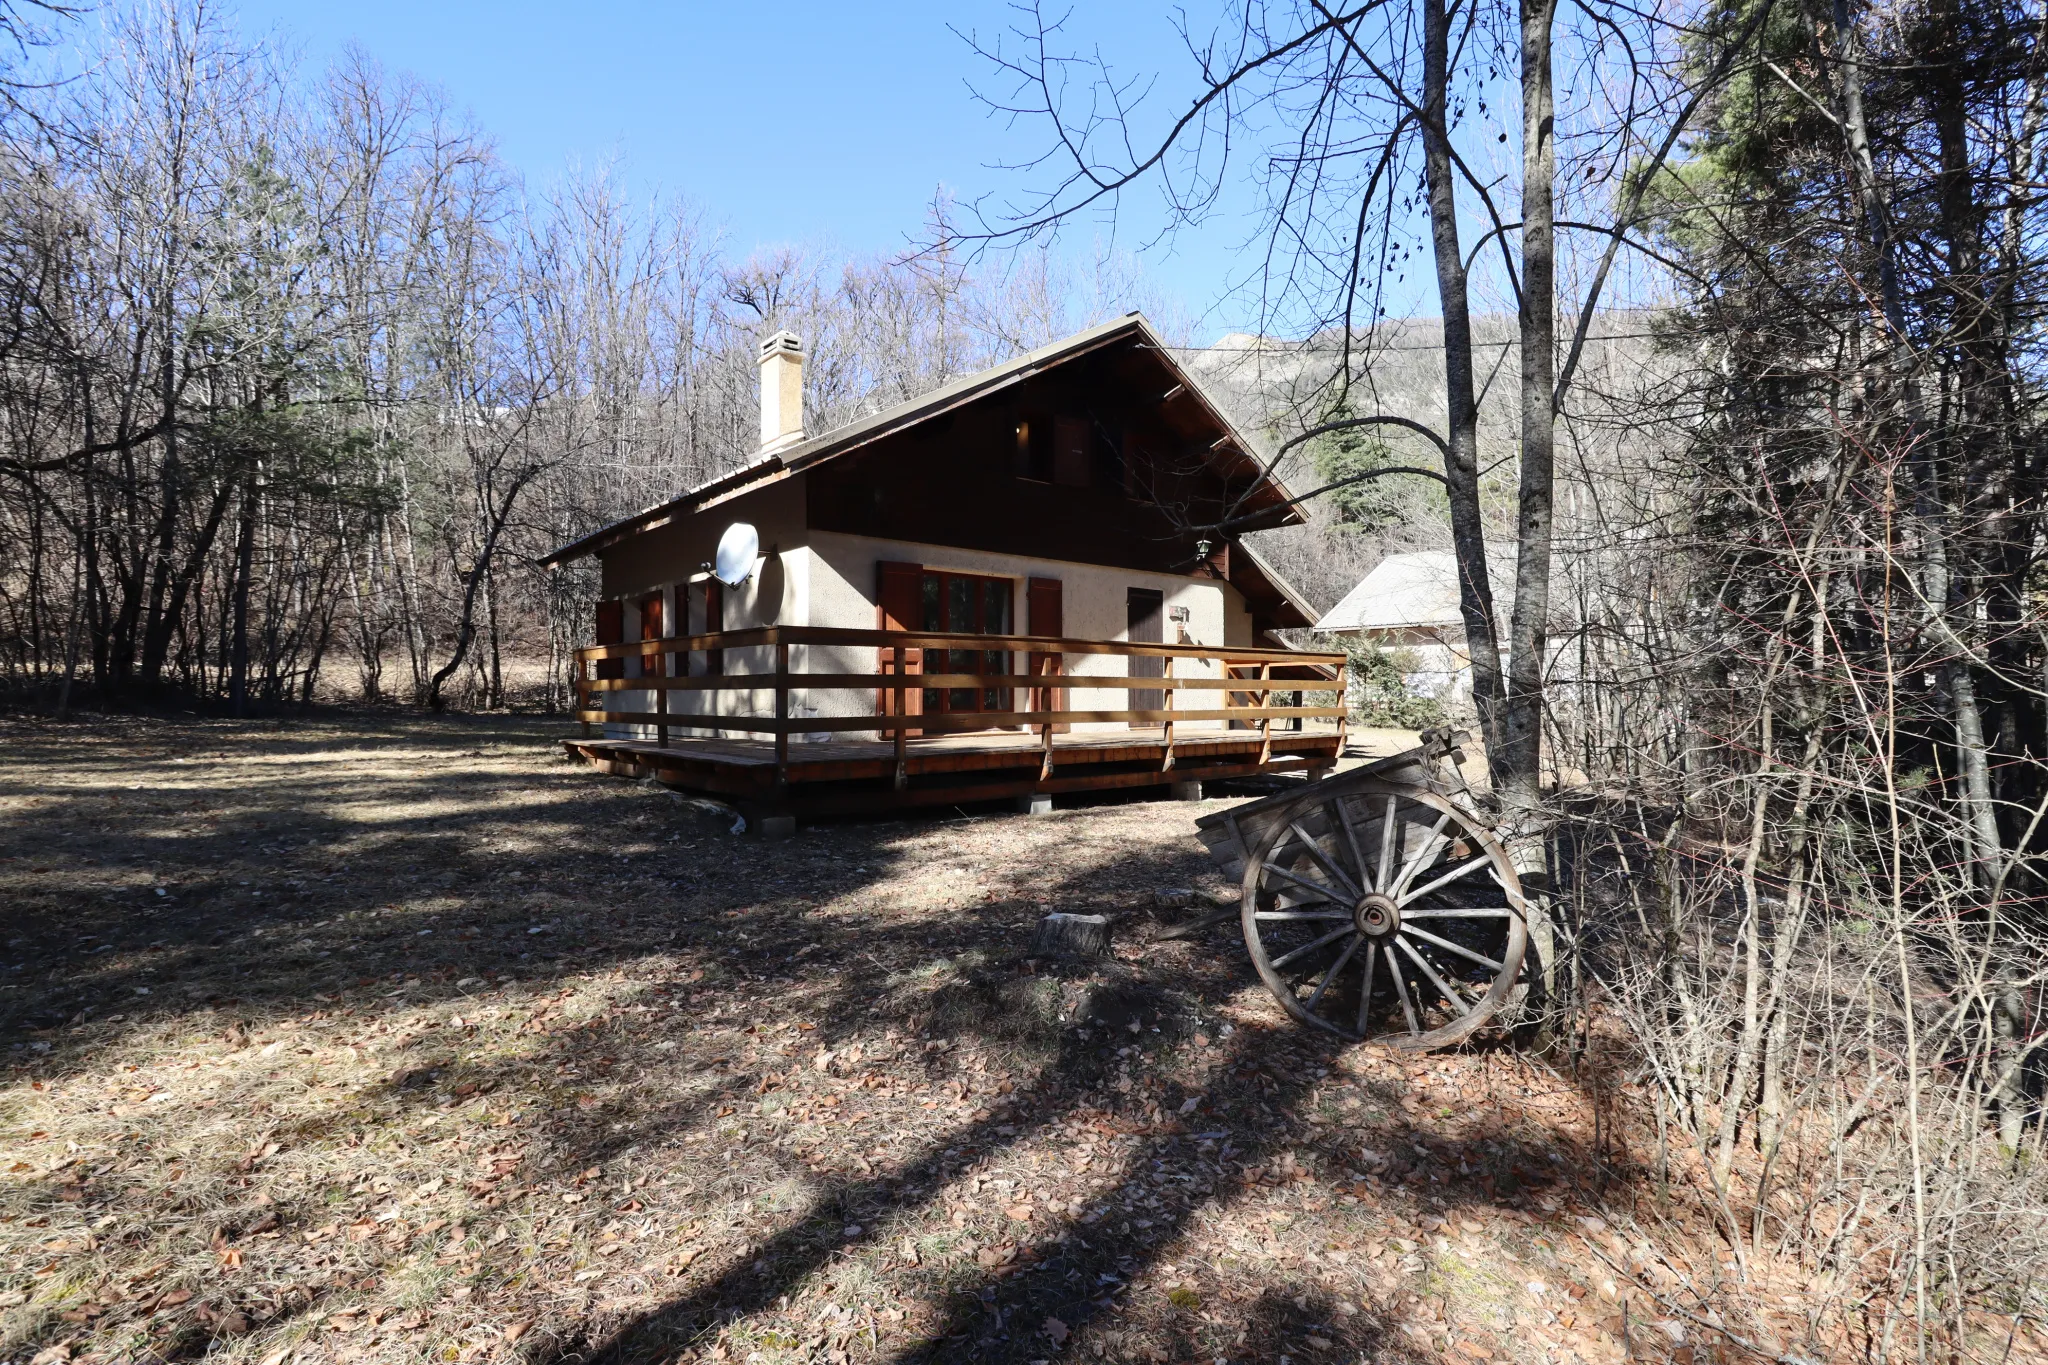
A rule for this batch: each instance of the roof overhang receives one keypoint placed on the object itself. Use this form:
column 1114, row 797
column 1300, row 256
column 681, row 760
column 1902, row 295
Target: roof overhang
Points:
column 1237, row 454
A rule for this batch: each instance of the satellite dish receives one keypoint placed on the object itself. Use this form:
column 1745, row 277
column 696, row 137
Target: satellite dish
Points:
column 737, row 550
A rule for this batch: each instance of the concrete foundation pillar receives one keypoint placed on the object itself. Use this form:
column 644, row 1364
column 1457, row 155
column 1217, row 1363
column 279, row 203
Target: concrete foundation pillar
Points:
column 777, row 826
column 1035, row 803
column 1187, row 791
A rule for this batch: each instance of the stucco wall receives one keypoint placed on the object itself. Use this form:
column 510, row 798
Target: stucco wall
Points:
column 842, row 585
column 667, row 559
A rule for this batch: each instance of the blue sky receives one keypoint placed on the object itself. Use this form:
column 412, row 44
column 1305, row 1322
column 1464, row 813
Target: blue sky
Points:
column 788, row 122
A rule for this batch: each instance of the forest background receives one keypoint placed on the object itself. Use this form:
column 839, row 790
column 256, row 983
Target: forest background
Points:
column 1738, row 346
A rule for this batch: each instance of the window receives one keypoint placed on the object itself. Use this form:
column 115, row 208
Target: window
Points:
column 965, row 604
column 1074, row 452
column 1034, row 449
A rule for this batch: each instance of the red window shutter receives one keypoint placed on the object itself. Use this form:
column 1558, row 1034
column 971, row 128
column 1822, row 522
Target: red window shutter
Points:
column 611, row 630
column 899, row 599
column 1046, row 614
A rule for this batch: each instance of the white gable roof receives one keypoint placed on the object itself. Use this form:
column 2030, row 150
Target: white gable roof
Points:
column 1411, row 591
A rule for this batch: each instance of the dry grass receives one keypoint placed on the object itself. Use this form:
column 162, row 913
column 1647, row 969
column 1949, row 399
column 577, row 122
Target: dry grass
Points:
column 372, row 1039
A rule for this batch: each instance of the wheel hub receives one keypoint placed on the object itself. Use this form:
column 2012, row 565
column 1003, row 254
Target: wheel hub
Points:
column 1377, row 916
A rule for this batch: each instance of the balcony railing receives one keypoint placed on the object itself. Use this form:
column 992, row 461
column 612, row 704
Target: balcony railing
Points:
column 1242, row 680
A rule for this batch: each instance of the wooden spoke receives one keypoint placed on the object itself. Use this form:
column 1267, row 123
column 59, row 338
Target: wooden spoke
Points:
column 1331, row 937
column 1336, row 970
column 1421, row 978
column 1320, row 891
column 1383, row 879
column 1372, row 953
column 1423, row 856
column 1351, row 837
column 1459, row 871
column 1457, row 1002
column 1329, row 864
column 1451, row 947
column 1401, row 989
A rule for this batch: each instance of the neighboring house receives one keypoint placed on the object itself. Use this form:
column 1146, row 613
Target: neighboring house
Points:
column 1408, row 606
column 1054, row 496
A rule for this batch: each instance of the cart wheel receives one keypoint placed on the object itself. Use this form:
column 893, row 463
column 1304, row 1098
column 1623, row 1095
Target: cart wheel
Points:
column 1385, row 914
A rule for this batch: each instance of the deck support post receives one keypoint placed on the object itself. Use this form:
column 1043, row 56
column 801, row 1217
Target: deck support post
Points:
column 781, row 717
column 583, row 693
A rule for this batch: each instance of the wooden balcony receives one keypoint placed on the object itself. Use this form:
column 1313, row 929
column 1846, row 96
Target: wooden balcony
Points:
column 733, row 714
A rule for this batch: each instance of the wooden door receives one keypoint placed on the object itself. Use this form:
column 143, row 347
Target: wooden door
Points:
column 966, row 604
column 899, row 606
column 1046, row 614
column 652, row 665
column 1145, row 615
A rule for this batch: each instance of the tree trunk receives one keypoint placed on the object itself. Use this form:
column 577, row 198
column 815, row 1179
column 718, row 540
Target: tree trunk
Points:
column 245, row 558
column 1461, row 418
column 1516, row 766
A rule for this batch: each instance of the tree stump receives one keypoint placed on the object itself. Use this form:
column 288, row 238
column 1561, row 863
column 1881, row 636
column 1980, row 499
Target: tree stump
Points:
column 1063, row 935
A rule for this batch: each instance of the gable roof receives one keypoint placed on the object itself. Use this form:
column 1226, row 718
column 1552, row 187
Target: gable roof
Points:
column 1414, row 591
column 1241, row 454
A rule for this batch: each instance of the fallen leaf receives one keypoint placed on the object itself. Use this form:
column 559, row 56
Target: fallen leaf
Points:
column 1019, row 1213
column 1055, row 1329
column 518, row 1330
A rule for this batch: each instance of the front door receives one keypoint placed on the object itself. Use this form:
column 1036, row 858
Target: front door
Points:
column 1146, row 625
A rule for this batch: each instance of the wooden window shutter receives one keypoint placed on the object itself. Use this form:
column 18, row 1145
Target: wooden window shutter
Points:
column 714, row 622
column 1070, row 452
column 899, row 598
column 611, row 630
column 1139, row 473
column 1046, row 614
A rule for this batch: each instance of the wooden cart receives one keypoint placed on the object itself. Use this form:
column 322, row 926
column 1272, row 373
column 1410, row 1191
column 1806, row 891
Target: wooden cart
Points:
column 1378, row 905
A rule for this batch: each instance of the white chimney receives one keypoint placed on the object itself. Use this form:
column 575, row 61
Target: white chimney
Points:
column 782, row 392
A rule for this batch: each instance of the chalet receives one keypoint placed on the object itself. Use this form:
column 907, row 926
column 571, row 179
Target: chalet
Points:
column 911, row 581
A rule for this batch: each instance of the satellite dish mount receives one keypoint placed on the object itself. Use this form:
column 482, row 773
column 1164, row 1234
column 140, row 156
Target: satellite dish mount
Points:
column 738, row 548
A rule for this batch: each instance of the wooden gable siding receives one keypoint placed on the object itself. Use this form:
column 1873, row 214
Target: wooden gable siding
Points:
column 959, row 479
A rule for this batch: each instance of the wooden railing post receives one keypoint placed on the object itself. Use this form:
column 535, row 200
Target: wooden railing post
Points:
column 582, row 691
column 1265, row 715
column 781, row 716
column 1166, row 765
column 1043, row 699
column 901, row 738
column 660, row 699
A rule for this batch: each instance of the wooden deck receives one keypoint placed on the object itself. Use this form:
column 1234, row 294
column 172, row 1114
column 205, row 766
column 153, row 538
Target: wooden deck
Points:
column 847, row 776
column 948, row 758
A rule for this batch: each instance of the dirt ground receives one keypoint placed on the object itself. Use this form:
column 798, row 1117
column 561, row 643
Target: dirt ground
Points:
column 359, row 1038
